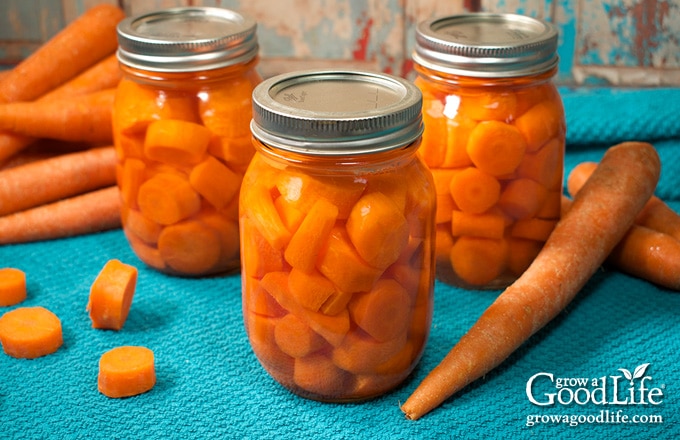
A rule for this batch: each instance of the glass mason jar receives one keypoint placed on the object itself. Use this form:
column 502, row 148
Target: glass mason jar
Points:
column 181, row 131
column 494, row 140
column 337, row 233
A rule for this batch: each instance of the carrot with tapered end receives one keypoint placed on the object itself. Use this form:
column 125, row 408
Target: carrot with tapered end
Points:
column 111, row 295
column 126, row 371
column 601, row 214
column 656, row 214
column 12, row 286
column 49, row 180
column 645, row 253
column 82, row 43
column 30, row 332
column 81, row 118
column 90, row 212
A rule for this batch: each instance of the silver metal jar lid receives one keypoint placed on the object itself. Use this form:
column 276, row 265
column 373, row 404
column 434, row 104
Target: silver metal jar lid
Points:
column 186, row 39
column 333, row 113
column 486, row 45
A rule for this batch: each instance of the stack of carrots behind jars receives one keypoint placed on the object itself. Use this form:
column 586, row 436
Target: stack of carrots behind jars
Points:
column 57, row 160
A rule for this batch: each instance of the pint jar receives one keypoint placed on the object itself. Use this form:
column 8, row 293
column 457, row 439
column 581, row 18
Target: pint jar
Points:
column 494, row 141
column 337, row 233
column 181, row 131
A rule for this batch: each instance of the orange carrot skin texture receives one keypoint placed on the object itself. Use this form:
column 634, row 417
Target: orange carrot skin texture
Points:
column 82, row 43
column 194, row 127
column 30, row 332
column 75, row 173
column 95, row 211
column 126, row 371
column 601, row 214
column 499, row 138
column 12, row 286
column 111, row 295
column 356, row 278
column 656, row 214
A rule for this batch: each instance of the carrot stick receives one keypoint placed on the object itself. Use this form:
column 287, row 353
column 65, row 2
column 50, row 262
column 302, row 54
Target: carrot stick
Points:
column 90, row 212
column 30, row 332
column 49, row 180
column 601, row 214
column 81, row 118
column 12, row 286
column 85, row 41
column 126, row 371
column 111, row 295
column 656, row 214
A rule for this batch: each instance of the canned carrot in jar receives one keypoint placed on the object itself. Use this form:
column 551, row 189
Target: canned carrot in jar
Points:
column 494, row 141
column 181, row 131
column 337, row 233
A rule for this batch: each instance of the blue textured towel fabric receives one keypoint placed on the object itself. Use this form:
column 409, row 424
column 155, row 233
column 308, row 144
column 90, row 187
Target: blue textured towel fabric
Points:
column 211, row 386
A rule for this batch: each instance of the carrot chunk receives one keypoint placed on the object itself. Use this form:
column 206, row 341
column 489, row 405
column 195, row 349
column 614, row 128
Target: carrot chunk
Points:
column 474, row 191
column 12, row 286
column 259, row 207
column 378, row 230
column 295, row 338
column 215, row 182
column 176, row 142
column 478, row 261
column 382, row 312
column 310, row 289
column 168, row 198
column 304, row 246
column 496, row 148
column 111, row 295
column 486, row 225
column 540, row 124
column 30, row 332
column 126, row 371
column 189, row 247
column 522, row 198
column 257, row 255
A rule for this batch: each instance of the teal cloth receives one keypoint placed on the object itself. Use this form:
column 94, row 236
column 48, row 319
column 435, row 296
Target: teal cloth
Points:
column 211, row 386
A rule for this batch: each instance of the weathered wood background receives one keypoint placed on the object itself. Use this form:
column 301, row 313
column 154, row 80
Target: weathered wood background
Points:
column 602, row 42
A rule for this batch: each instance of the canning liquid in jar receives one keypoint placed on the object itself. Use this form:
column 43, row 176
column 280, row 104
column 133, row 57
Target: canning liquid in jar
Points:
column 337, row 233
column 494, row 140
column 182, row 135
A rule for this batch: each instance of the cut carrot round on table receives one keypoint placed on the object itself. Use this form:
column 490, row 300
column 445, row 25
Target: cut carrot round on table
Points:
column 30, row 332
column 111, row 295
column 602, row 212
column 12, row 286
column 82, row 43
column 126, row 371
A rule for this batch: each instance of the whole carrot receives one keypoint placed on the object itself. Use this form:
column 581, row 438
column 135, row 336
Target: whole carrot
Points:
column 48, row 180
column 90, row 212
column 82, row 118
column 645, row 253
column 86, row 40
column 601, row 214
column 655, row 215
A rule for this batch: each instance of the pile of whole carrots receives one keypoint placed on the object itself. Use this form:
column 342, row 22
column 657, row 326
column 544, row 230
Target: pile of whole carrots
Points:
column 58, row 175
column 57, row 161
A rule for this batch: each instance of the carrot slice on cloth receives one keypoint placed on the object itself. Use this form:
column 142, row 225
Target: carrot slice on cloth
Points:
column 126, row 371
column 30, row 332
column 111, row 295
column 12, row 286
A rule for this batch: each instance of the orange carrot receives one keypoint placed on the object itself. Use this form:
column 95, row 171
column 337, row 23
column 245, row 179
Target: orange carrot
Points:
column 601, row 214
column 126, row 371
column 105, row 74
column 90, row 212
column 80, row 118
column 176, row 142
column 478, row 261
column 496, row 148
column 49, row 180
column 540, row 123
column 656, row 214
column 82, row 43
column 474, row 191
column 216, row 182
column 522, row 198
column 12, row 286
column 30, row 332
column 383, row 312
column 295, row 338
column 189, row 247
column 168, row 198
column 645, row 253
column 305, row 244
column 111, row 295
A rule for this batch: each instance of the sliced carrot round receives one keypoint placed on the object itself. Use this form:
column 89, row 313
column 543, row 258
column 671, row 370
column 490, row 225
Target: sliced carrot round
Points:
column 496, row 148
column 30, row 332
column 189, row 247
column 168, row 198
column 126, row 371
column 479, row 261
column 474, row 191
column 176, row 142
column 111, row 295
column 12, row 286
